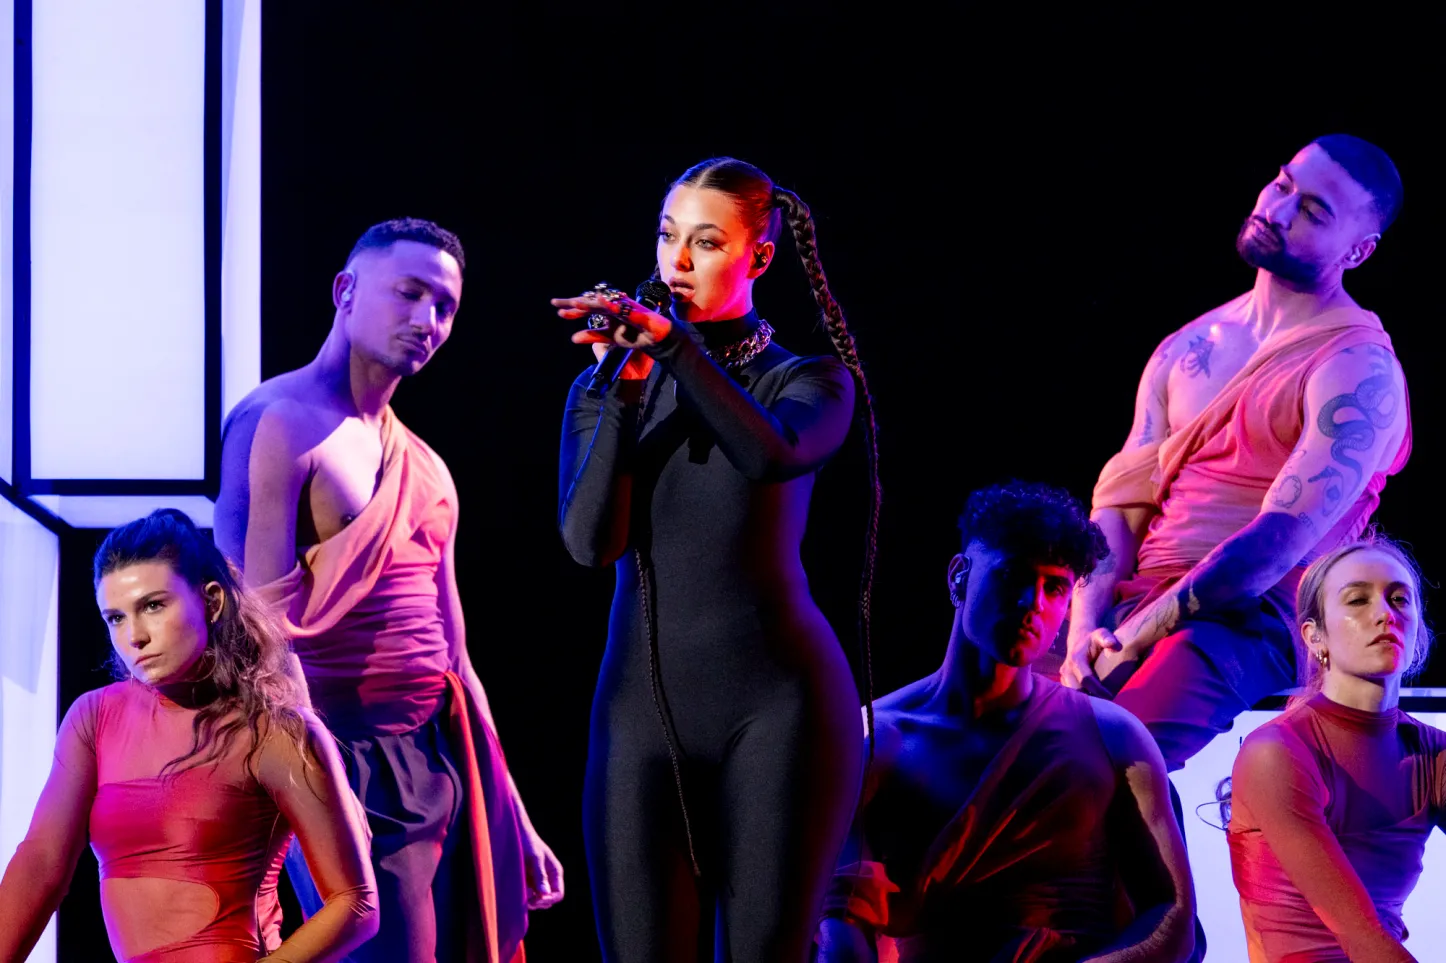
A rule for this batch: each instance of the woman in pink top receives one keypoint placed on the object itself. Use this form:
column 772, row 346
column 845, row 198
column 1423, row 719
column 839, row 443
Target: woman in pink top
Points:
column 1333, row 800
column 189, row 777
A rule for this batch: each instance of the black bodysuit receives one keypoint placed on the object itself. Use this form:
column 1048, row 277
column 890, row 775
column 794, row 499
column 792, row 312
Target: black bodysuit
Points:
column 708, row 475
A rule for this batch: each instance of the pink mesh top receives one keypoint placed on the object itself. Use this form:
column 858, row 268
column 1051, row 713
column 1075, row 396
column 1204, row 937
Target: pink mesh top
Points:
column 1331, row 810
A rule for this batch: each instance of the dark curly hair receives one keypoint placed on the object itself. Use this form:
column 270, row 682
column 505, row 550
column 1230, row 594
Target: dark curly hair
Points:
column 387, row 233
column 1035, row 521
column 246, row 649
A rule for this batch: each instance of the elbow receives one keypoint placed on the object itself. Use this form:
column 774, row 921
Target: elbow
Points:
column 369, row 923
column 363, row 913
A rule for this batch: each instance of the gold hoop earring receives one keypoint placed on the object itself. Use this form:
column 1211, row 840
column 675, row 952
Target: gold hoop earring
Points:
column 1324, row 658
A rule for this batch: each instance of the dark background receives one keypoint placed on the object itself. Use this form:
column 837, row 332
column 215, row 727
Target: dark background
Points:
column 1013, row 214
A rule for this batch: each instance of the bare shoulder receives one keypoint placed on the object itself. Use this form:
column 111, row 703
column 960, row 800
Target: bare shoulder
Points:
column 1208, row 325
column 903, row 701
column 286, row 406
column 284, row 419
column 893, row 714
column 1126, row 739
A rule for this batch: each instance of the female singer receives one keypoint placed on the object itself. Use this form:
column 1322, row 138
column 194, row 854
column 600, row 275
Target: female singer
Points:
column 724, row 760
column 190, row 775
column 1333, row 800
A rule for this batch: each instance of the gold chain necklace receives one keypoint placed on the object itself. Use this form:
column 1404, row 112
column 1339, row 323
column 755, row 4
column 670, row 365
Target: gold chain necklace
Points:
column 739, row 353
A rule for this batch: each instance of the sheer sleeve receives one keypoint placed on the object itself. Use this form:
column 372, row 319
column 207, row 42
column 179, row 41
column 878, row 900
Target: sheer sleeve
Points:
column 1276, row 781
column 313, row 795
column 803, row 427
column 595, row 474
column 1435, row 742
column 39, row 873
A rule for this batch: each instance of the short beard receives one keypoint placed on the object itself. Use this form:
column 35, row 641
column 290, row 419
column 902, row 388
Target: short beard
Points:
column 1279, row 262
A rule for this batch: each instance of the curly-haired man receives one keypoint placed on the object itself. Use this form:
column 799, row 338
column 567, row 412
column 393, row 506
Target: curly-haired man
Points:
column 1006, row 816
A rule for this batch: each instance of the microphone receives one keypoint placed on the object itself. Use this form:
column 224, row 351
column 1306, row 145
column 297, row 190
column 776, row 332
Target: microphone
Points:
column 651, row 294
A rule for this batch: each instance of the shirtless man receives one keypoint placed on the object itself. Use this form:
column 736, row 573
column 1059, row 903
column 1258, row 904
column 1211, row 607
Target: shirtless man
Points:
column 1263, row 434
column 1005, row 816
column 347, row 522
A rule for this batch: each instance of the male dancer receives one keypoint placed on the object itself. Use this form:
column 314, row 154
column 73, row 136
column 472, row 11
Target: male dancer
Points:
column 1007, row 817
column 348, row 522
column 1264, row 432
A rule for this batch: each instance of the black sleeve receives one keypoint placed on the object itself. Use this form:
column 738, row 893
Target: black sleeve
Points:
column 806, row 424
column 595, row 477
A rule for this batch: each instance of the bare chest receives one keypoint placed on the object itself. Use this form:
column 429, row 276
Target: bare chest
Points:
column 1201, row 362
column 345, row 470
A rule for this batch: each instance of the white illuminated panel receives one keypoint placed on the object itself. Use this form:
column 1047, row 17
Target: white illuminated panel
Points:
column 7, row 222
column 29, row 592
column 241, row 202
column 1219, row 903
column 117, row 239
column 108, row 511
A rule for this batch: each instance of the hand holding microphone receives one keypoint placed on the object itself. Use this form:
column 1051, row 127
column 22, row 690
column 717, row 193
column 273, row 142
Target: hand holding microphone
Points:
column 617, row 325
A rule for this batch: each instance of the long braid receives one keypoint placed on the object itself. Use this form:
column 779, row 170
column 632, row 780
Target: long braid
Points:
column 800, row 222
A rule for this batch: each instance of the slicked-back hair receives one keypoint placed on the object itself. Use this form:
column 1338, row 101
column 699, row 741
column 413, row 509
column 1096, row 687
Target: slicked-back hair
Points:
column 1034, row 521
column 1370, row 167
column 384, row 235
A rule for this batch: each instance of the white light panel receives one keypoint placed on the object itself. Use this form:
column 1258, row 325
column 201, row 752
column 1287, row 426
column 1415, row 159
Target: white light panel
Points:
column 117, row 239
column 29, row 594
column 108, row 511
column 241, row 202
column 7, row 222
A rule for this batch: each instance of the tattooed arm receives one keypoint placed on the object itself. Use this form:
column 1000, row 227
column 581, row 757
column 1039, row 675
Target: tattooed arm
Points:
column 1124, row 525
column 1355, row 421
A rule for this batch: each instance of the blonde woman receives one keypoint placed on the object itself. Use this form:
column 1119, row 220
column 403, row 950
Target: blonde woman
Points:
column 1333, row 800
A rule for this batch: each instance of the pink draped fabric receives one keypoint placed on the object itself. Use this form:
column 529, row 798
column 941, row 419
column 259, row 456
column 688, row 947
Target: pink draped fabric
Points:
column 361, row 607
column 1023, row 871
column 1209, row 479
column 363, row 614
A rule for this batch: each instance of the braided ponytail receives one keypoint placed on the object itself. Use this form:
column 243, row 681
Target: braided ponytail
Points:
column 766, row 206
column 800, row 223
